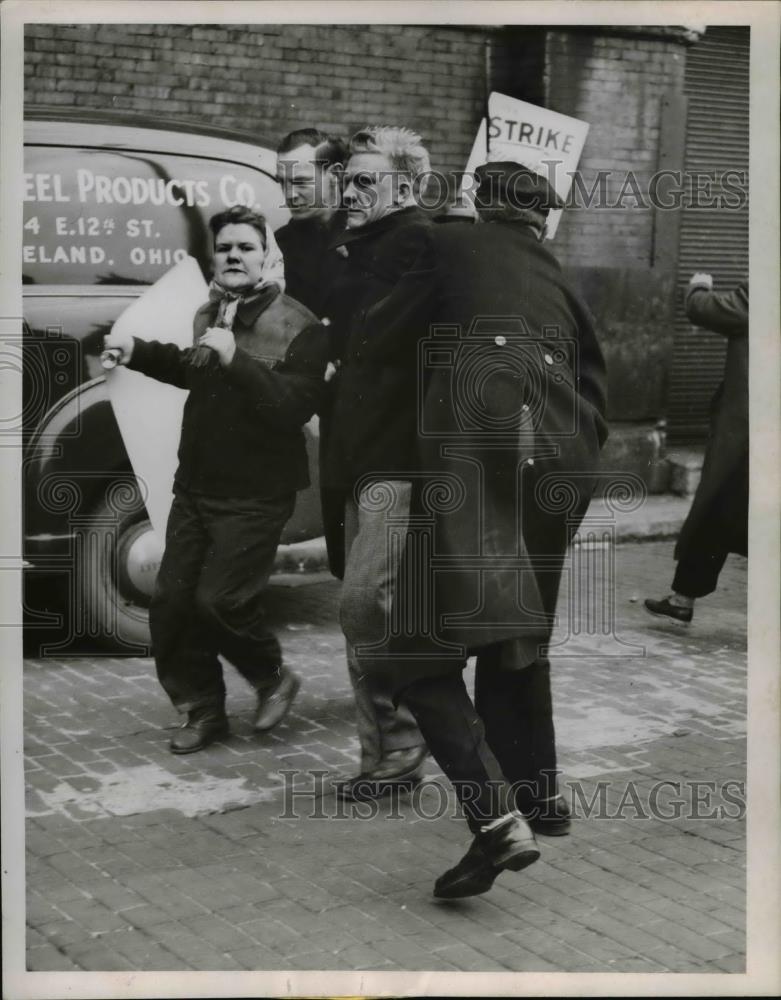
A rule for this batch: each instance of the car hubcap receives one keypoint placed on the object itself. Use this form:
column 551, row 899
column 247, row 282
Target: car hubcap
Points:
column 139, row 555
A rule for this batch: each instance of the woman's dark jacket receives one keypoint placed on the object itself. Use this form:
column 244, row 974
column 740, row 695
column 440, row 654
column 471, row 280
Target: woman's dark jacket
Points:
column 719, row 513
column 242, row 424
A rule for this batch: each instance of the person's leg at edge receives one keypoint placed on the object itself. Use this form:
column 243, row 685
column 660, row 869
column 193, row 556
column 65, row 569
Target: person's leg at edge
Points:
column 696, row 575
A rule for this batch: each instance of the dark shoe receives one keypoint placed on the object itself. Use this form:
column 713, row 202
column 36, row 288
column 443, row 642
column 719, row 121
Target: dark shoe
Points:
column 509, row 844
column 473, row 875
column 664, row 609
column 274, row 702
column 551, row 818
column 397, row 771
column 203, row 726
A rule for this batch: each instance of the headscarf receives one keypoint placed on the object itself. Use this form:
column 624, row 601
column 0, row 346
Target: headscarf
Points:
column 272, row 273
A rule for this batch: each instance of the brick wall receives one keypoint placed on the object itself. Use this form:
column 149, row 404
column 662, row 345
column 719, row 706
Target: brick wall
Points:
column 268, row 79
column 616, row 84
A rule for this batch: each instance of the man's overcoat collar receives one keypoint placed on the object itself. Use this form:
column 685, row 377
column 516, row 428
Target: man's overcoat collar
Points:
column 388, row 222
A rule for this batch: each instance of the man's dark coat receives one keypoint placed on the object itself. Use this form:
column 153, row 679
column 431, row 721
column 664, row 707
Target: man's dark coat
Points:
column 309, row 267
column 505, row 419
column 371, row 426
column 719, row 511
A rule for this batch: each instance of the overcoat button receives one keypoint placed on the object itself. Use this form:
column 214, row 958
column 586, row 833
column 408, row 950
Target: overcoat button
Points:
column 500, row 341
column 548, row 359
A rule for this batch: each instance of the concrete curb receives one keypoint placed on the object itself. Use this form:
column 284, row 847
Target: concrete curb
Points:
column 658, row 517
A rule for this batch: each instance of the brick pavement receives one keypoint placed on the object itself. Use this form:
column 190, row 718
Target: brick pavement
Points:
column 137, row 859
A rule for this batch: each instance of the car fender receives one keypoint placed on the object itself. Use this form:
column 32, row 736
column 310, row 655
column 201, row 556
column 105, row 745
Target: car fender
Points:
column 73, row 456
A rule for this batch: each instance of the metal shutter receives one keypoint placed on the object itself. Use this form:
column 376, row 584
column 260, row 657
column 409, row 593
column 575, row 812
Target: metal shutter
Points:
column 711, row 239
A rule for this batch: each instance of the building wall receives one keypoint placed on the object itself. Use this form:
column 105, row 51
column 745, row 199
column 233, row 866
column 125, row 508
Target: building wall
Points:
column 269, row 79
column 616, row 83
column 623, row 85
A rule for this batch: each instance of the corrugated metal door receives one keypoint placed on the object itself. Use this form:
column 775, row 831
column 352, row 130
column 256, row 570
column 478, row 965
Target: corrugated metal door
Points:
column 712, row 239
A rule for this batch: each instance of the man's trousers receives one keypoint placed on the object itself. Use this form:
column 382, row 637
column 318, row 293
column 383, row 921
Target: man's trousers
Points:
column 219, row 554
column 367, row 595
column 507, row 737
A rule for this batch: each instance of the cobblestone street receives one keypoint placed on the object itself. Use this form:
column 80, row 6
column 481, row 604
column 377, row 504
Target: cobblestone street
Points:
column 141, row 860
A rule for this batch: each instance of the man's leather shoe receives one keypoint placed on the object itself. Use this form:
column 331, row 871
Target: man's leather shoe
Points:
column 473, row 875
column 397, row 771
column 664, row 609
column 508, row 843
column 274, row 702
column 203, row 727
column 551, row 818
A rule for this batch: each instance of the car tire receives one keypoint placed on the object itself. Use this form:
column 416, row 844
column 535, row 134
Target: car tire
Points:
column 119, row 559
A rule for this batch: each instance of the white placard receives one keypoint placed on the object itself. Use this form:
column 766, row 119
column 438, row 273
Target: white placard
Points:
column 544, row 141
column 149, row 413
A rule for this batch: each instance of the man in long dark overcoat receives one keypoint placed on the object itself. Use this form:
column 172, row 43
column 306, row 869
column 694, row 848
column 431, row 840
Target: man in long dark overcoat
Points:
column 500, row 427
column 717, row 522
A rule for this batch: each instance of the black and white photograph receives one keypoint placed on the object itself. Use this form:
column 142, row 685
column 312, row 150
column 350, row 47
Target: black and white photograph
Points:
column 389, row 576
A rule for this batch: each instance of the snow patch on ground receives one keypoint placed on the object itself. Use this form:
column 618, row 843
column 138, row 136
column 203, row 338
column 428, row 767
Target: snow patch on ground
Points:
column 150, row 787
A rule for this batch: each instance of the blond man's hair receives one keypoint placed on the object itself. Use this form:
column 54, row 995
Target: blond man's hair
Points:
column 403, row 147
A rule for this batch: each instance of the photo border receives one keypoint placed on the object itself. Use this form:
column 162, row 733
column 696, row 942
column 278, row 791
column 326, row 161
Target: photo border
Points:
column 763, row 974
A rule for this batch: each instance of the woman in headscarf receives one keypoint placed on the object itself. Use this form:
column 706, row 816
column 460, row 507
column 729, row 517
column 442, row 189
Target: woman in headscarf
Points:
column 255, row 376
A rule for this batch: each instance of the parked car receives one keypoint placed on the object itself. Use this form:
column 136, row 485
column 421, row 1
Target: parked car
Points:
column 110, row 204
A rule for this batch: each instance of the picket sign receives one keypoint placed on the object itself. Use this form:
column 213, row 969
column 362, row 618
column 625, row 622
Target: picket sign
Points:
column 542, row 140
column 149, row 413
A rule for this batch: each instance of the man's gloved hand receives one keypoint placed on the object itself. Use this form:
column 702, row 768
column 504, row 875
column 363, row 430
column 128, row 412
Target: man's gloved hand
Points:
column 701, row 280
column 221, row 341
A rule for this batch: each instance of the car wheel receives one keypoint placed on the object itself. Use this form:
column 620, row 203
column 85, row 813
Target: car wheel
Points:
column 120, row 558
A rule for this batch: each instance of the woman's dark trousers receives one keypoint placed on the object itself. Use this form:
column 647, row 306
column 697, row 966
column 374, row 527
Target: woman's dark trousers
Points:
column 208, row 599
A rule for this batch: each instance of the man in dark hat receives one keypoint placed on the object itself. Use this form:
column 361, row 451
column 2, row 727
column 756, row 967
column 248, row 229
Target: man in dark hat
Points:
column 508, row 191
column 500, row 397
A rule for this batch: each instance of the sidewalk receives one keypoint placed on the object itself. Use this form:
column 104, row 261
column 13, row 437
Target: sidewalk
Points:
column 657, row 517
column 141, row 860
